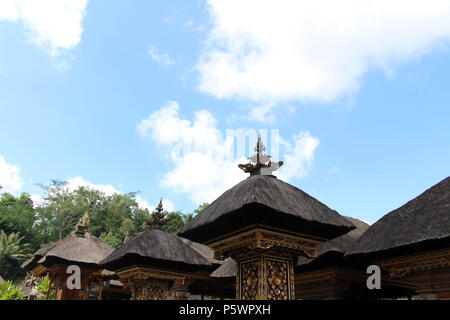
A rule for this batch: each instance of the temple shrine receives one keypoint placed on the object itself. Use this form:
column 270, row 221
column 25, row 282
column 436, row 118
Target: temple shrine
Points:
column 265, row 239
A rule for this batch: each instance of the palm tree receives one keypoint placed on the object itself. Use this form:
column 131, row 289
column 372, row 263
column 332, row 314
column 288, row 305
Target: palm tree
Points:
column 12, row 248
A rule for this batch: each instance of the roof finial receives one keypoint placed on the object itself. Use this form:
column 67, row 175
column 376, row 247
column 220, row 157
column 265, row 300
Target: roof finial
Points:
column 158, row 218
column 260, row 163
column 82, row 226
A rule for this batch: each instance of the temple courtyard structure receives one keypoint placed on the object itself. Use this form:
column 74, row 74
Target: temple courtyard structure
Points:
column 264, row 239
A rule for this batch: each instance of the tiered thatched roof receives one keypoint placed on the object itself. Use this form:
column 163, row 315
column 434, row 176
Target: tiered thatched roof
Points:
column 205, row 251
column 226, row 270
column 265, row 200
column 421, row 224
column 331, row 252
column 157, row 248
column 85, row 250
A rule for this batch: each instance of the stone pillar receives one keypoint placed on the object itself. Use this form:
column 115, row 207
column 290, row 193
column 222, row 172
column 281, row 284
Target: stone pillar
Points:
column 265, row 261
column 265, row 276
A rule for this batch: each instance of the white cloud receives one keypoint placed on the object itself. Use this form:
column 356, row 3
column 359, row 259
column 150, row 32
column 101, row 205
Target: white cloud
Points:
column 76, row 182
column 161, row 58
column 8, row 10
column 192, row 25
column 10, row 178
column 278, row 51
column 262, row 113
column 203, row 164
column 37, row 200
column 55, row 25
column 298, row 156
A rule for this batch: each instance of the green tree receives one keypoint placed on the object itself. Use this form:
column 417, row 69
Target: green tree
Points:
column 18, row 215
column 127, row 228
column 175, row 223
column 114, row 239
column 58, row 214
column 12, row 249
column 10, row 291
column 41, row 288
column 106, row 213
column 177, row 219
column 200, row 208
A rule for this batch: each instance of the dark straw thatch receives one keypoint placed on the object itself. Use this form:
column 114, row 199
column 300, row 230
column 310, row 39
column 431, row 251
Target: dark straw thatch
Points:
column 264, row 199
column 205, row 251
column 226, row 270
column 156, row 248
column 421, row 224
column 85, row 250
column 331, row 252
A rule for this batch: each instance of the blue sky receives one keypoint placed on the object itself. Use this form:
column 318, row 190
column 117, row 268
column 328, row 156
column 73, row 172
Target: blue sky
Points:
column 103, row 92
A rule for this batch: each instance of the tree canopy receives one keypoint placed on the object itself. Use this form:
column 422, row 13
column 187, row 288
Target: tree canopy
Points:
column 114, row 219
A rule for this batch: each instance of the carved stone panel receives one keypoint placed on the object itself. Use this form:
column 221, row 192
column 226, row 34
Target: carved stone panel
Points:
column 156, row 292
column 265, row 277
column 249, row 276
column 277, row 279
column 140, row 292
column 149, row 291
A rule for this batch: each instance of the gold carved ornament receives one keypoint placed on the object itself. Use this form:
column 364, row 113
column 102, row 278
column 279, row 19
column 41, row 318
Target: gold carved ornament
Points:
column 264, row 240
column 401, row 266
column 249, row 279
column 277, row 280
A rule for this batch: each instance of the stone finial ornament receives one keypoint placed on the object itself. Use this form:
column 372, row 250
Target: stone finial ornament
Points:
column 82, row 226
column 158, row 219
column 260, row 163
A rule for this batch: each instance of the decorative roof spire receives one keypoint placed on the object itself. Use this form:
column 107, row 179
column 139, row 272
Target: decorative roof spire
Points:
column 158, row 218
column 260, row 163
column 82, row 226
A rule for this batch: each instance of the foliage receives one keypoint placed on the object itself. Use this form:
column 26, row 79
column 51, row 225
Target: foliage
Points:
column 18, row 215
column 127, row 228
column 178, row 219
column 112, row 218
column 175, row 223
column 115, row 240
column 12, row 249
column 41, row 288
column 106, row 213
column 10, row 291
column 200, row 208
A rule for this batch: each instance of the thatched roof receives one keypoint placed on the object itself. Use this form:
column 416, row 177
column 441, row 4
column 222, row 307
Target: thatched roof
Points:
column 205, row 251
column 421, row 224
column 333, row 250
column 226, row 270
column 81, row 250
column 156, row 248
column 264, row 199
